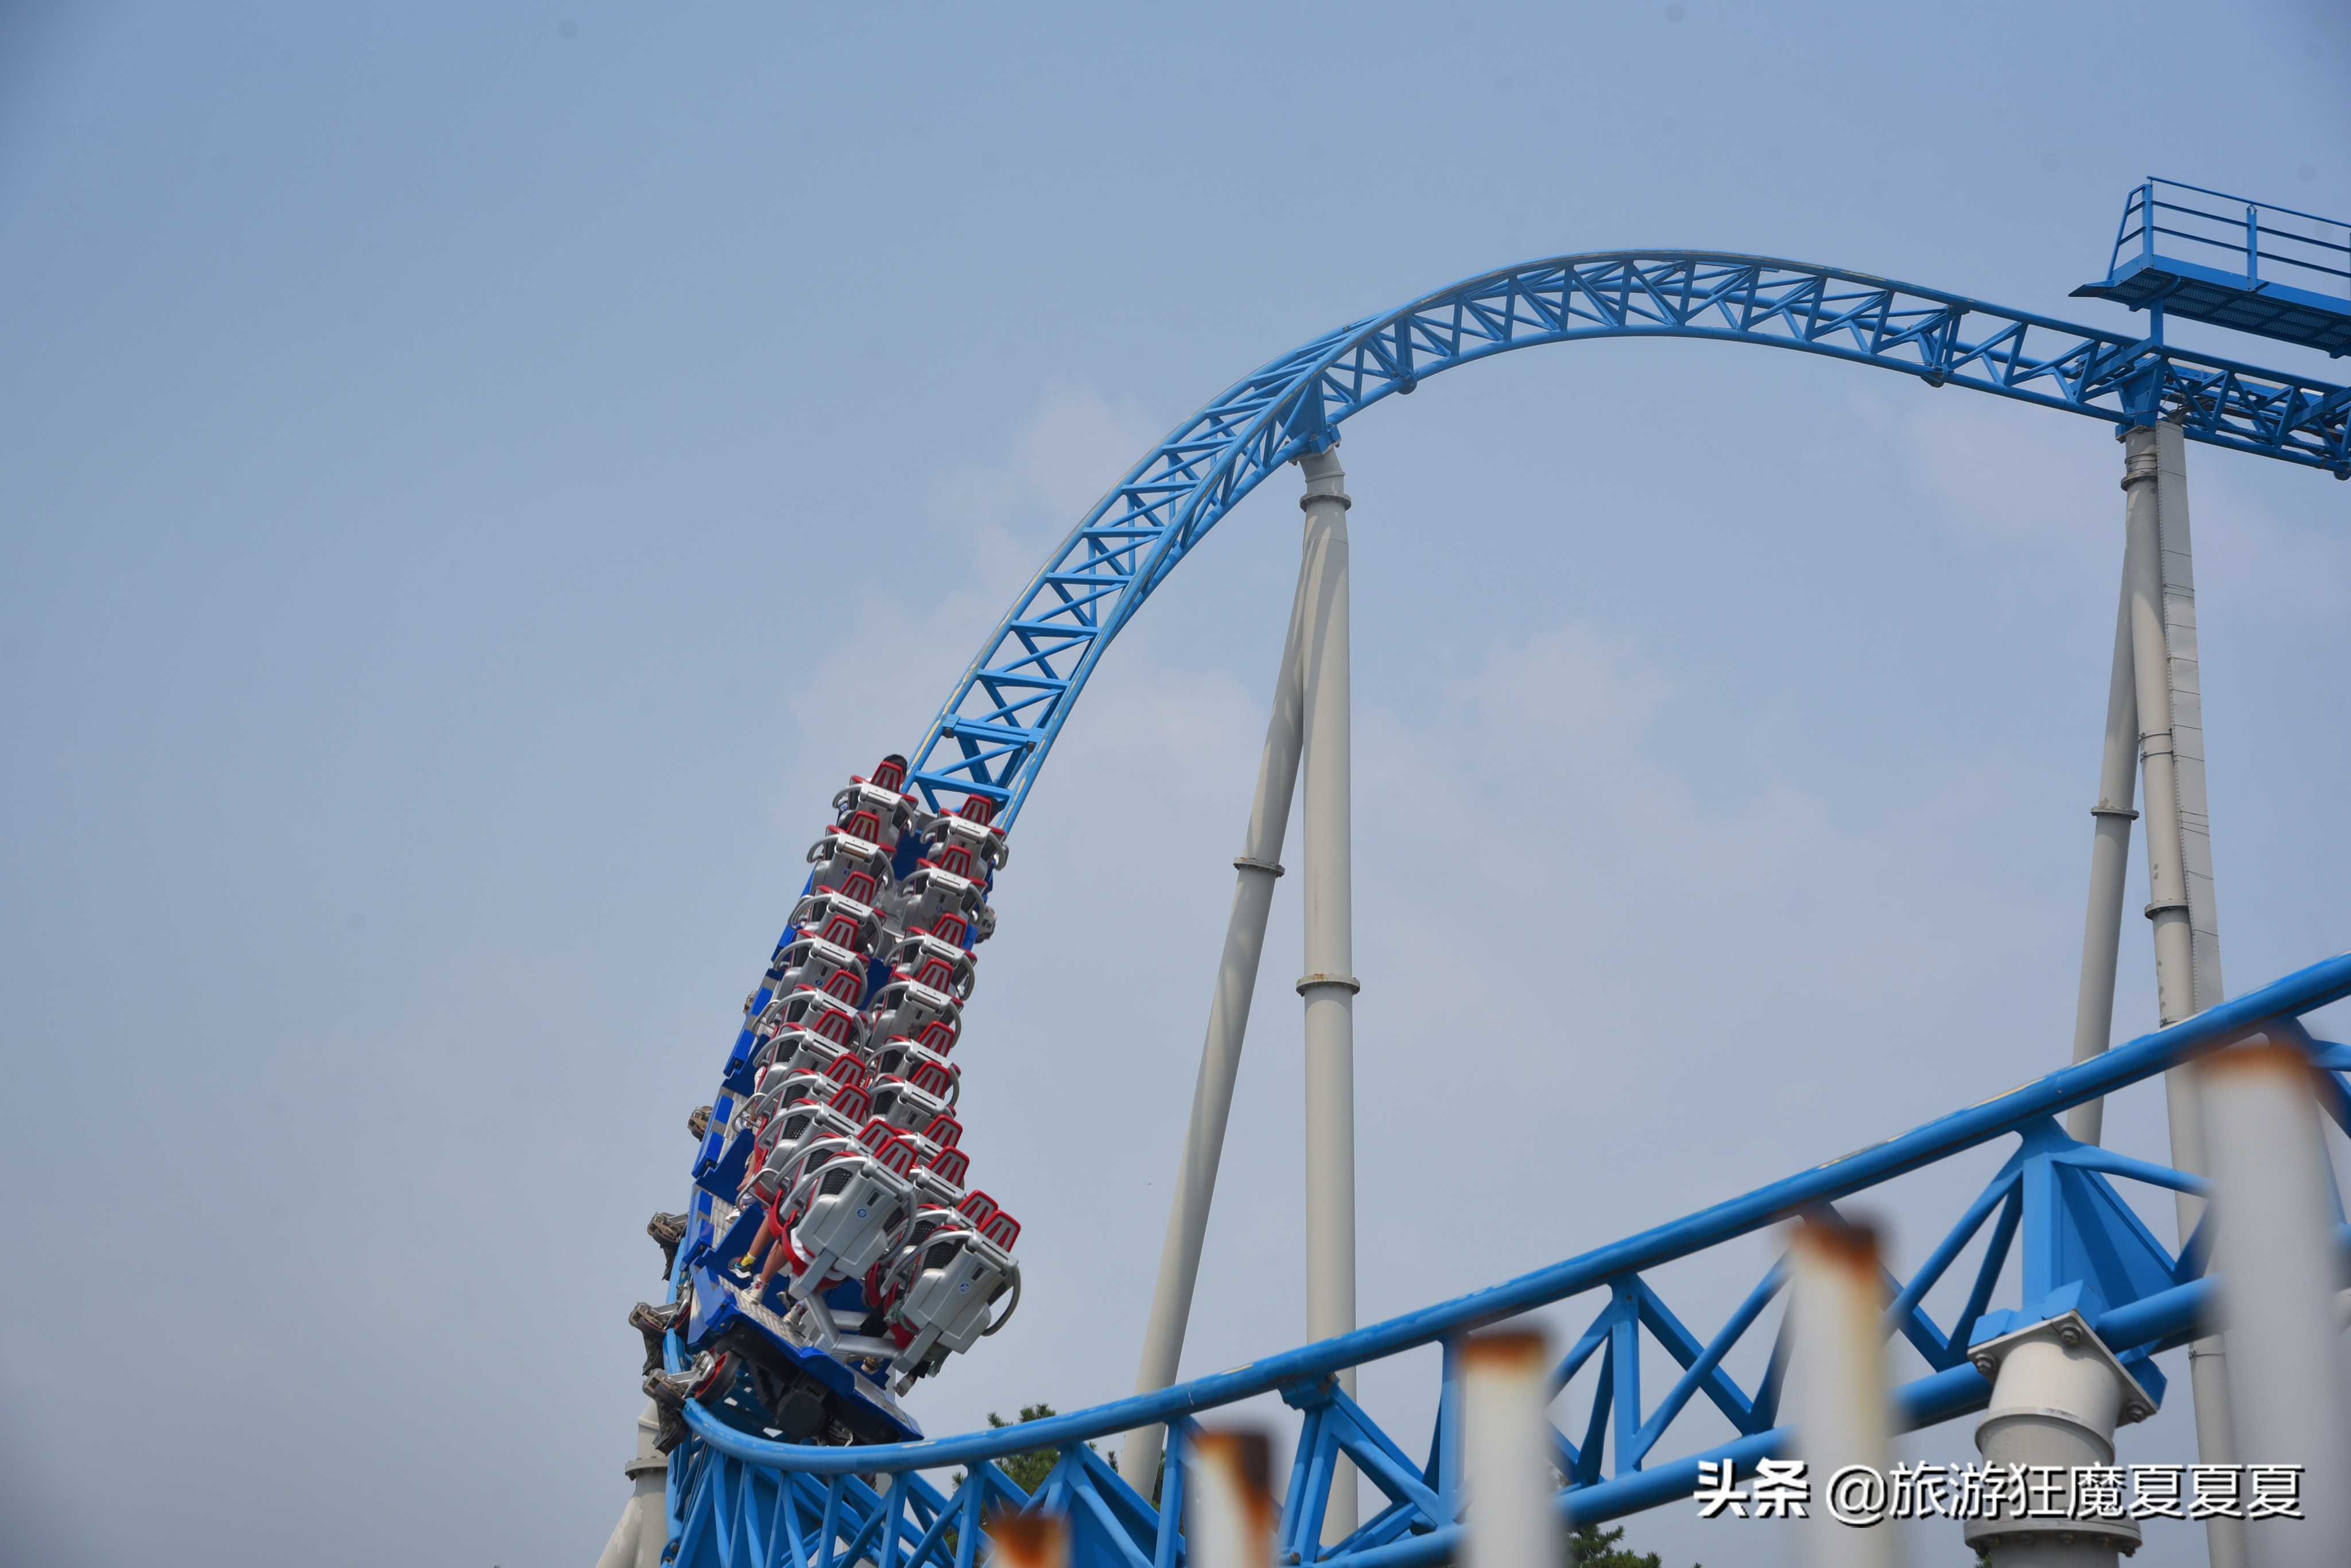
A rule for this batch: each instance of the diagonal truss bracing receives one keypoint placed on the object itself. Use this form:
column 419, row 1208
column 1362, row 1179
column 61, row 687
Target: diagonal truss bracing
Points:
column 738, row 1499
column 992, row 736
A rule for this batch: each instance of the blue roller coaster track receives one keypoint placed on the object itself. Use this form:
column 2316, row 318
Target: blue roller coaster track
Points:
column 737, row 1500
column 993, row 735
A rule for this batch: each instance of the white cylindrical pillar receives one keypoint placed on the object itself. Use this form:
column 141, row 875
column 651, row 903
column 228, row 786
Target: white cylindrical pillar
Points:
column 1837, row 1382
column 1220, row 1052
column 1228, row 1512
column 1329, row 985
column 2166, row 870
column 638, row 1539
column 2101, row 929
column 1506, row 1451
column 2159, row 572
column 2057, row 1393
column 2276, row 1256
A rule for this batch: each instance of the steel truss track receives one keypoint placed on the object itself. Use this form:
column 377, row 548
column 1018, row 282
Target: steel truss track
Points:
column 992, row 736
column 740, row 1502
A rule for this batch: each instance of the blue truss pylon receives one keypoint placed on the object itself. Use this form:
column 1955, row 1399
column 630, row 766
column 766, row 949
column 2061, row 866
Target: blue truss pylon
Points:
column 993, row 734
column 739, row 1501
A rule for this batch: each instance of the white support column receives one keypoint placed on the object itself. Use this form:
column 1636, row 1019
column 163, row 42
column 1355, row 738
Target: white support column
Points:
column 644, row 1532
column 1329, row 985
column 1229, row 1508
column 1220, row 1053
column 2276, row 1256
column 1836, row 1382
column 2102, row 930
column 2162, row 590
column 2057, row 1394
column 1506, row 1451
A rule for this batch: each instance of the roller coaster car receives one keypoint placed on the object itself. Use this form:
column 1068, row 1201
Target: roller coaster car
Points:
column 783, row 1084
column 844, row 1215
column 806, row 1397
column 819, row 966
column 903, row 1104
column 820, row 1012
column 938, row 1036
column 818, row 1195
column 765, row 1377
column 804, row 1050
column 962, row 846
column 767, row 1202
column 839, row 919
column 943, row 1292
column 780, row 1119
column 920, row 1066
column 939, row 1174
column 940, row 1136
column 911, row 1009
column 877, row 815
column 847, row 1107
column 929, row 894
column 804, row 1008
column 942, row 965
column 847, row 864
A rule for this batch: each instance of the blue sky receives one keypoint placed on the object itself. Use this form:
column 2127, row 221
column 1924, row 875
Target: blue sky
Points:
column 474, row 479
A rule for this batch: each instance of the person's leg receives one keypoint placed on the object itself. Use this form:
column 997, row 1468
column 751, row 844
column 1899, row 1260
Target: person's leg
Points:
column 780, row 1254
column 761, row 1245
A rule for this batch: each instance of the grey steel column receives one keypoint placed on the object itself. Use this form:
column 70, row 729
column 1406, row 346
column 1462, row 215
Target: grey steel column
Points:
column 1329, row 985
column 2162, row 590
column 2102, row 931
column 1220, row 1053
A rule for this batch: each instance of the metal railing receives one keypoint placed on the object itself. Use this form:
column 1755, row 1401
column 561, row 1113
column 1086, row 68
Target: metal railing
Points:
column 2260, row 242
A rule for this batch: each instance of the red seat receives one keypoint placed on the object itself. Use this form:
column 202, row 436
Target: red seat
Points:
column 945, row 1132
column 977, row 1207
column 951, row 1163
column 897, row 1156
column 1002, row 1230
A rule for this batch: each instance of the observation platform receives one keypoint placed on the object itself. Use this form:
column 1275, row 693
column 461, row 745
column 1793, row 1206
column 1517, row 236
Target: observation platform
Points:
column 2246, row 266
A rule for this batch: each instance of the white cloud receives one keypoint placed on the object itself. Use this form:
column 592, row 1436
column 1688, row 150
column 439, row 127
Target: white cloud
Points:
column 2010, row 478
column 875, row 675
column 1055, row 472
